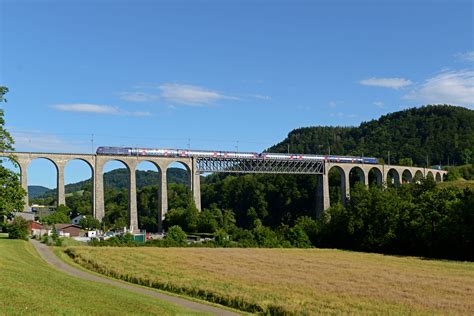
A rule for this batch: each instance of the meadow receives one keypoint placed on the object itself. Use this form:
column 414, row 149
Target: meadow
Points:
column 294, row 281
column 30, row 286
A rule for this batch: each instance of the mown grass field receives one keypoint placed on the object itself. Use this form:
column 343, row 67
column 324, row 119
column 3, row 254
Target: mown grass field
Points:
column 29, row 286
column 300, row 281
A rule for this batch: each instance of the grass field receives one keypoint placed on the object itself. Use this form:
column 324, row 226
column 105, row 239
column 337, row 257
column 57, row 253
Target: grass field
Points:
column 460, row 183
column 29, row 286
column 301, row 281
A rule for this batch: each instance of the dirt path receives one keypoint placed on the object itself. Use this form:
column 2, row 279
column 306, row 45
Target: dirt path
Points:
column 46, row 253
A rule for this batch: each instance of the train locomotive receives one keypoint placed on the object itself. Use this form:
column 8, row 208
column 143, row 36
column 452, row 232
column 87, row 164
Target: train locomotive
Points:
column 188, row 153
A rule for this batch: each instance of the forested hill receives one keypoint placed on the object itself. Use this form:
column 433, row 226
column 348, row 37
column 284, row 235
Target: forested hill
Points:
column 438, row 132
column 119, row 178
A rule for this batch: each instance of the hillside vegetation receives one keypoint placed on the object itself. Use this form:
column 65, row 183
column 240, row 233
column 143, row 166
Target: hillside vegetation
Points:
column 294, row 281
column 115, row 179
column 440, row 133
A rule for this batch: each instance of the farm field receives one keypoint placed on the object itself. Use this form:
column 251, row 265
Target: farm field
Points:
column 300, row 281
column 30, row 286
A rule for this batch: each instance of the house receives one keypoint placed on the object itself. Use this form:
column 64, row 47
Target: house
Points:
column 68, row 230
column 77, row 219
column 37, row 229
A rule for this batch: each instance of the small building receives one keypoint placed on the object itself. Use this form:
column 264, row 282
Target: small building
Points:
column 68, row 230
column 91, row 233
column 37, row 229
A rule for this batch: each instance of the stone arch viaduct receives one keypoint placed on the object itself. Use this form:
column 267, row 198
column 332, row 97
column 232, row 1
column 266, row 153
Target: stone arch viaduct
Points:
column 383, row 174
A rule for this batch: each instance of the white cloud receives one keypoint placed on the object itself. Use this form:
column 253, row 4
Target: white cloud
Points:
column 191, row 95
column 392, row 83
column 262, row 97
column 379, row 104
column 469, row 56
column 96, row 109
column 332, row 104
column 449, row 87
column 87, row 108
column 138, row 96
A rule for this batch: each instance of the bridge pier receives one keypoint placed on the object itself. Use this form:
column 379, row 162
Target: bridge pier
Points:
column 61, row 196
column 132, row 199
column 322, row 193
column 196, row 184
column 98, row 188
column 163, row 199
column 23, row 164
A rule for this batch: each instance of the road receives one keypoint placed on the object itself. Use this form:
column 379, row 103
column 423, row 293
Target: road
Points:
column 47, row 254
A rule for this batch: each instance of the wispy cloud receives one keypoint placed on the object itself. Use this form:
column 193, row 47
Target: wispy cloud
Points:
column 469, row 56
column 139, row 96
column 392, row 83
column 96, row 109
column 379, row 104
column 191, row 95
column 262, row 97
column 449, row 87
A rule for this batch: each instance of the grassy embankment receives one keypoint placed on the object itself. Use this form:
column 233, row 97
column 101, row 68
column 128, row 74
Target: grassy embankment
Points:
column 300, row 281
column 30, row 286
column 460, row 184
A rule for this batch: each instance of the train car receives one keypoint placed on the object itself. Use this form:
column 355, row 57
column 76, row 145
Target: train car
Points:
column 114, row 151
column 162, row 152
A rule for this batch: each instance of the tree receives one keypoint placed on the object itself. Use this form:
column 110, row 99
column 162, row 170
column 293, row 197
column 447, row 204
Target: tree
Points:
column 176, row 236
column 11, row 192
column 59, row 216
column 405, row 162
column 18, row 229
column 89, row 222
column 466, row 156
column 6, row 140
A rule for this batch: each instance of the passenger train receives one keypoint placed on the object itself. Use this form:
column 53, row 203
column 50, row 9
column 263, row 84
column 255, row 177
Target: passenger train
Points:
column 160, row 152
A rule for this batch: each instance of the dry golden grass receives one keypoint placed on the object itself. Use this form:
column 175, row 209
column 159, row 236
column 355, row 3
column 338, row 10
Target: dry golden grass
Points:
column 297, row 280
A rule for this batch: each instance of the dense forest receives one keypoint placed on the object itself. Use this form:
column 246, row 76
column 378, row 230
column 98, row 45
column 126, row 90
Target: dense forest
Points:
column 439, row 133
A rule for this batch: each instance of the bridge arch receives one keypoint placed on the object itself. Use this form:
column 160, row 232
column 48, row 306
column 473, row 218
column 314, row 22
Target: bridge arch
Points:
column 179, row 184
column 338, row 184
column 375, row 176
column 418, row 176
column 393, row 177
column 80, row 201
column 149, row 190
column 429, row 174
column 438, row 177
column 44, row 169
column 407, row 176
column 117, row 212
column 356, row 174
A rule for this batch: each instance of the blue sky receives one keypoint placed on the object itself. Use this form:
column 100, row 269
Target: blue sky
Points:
column 221, row 74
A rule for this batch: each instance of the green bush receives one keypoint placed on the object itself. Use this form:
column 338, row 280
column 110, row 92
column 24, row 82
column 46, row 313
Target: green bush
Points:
column 18, row 229
column 176, row 236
